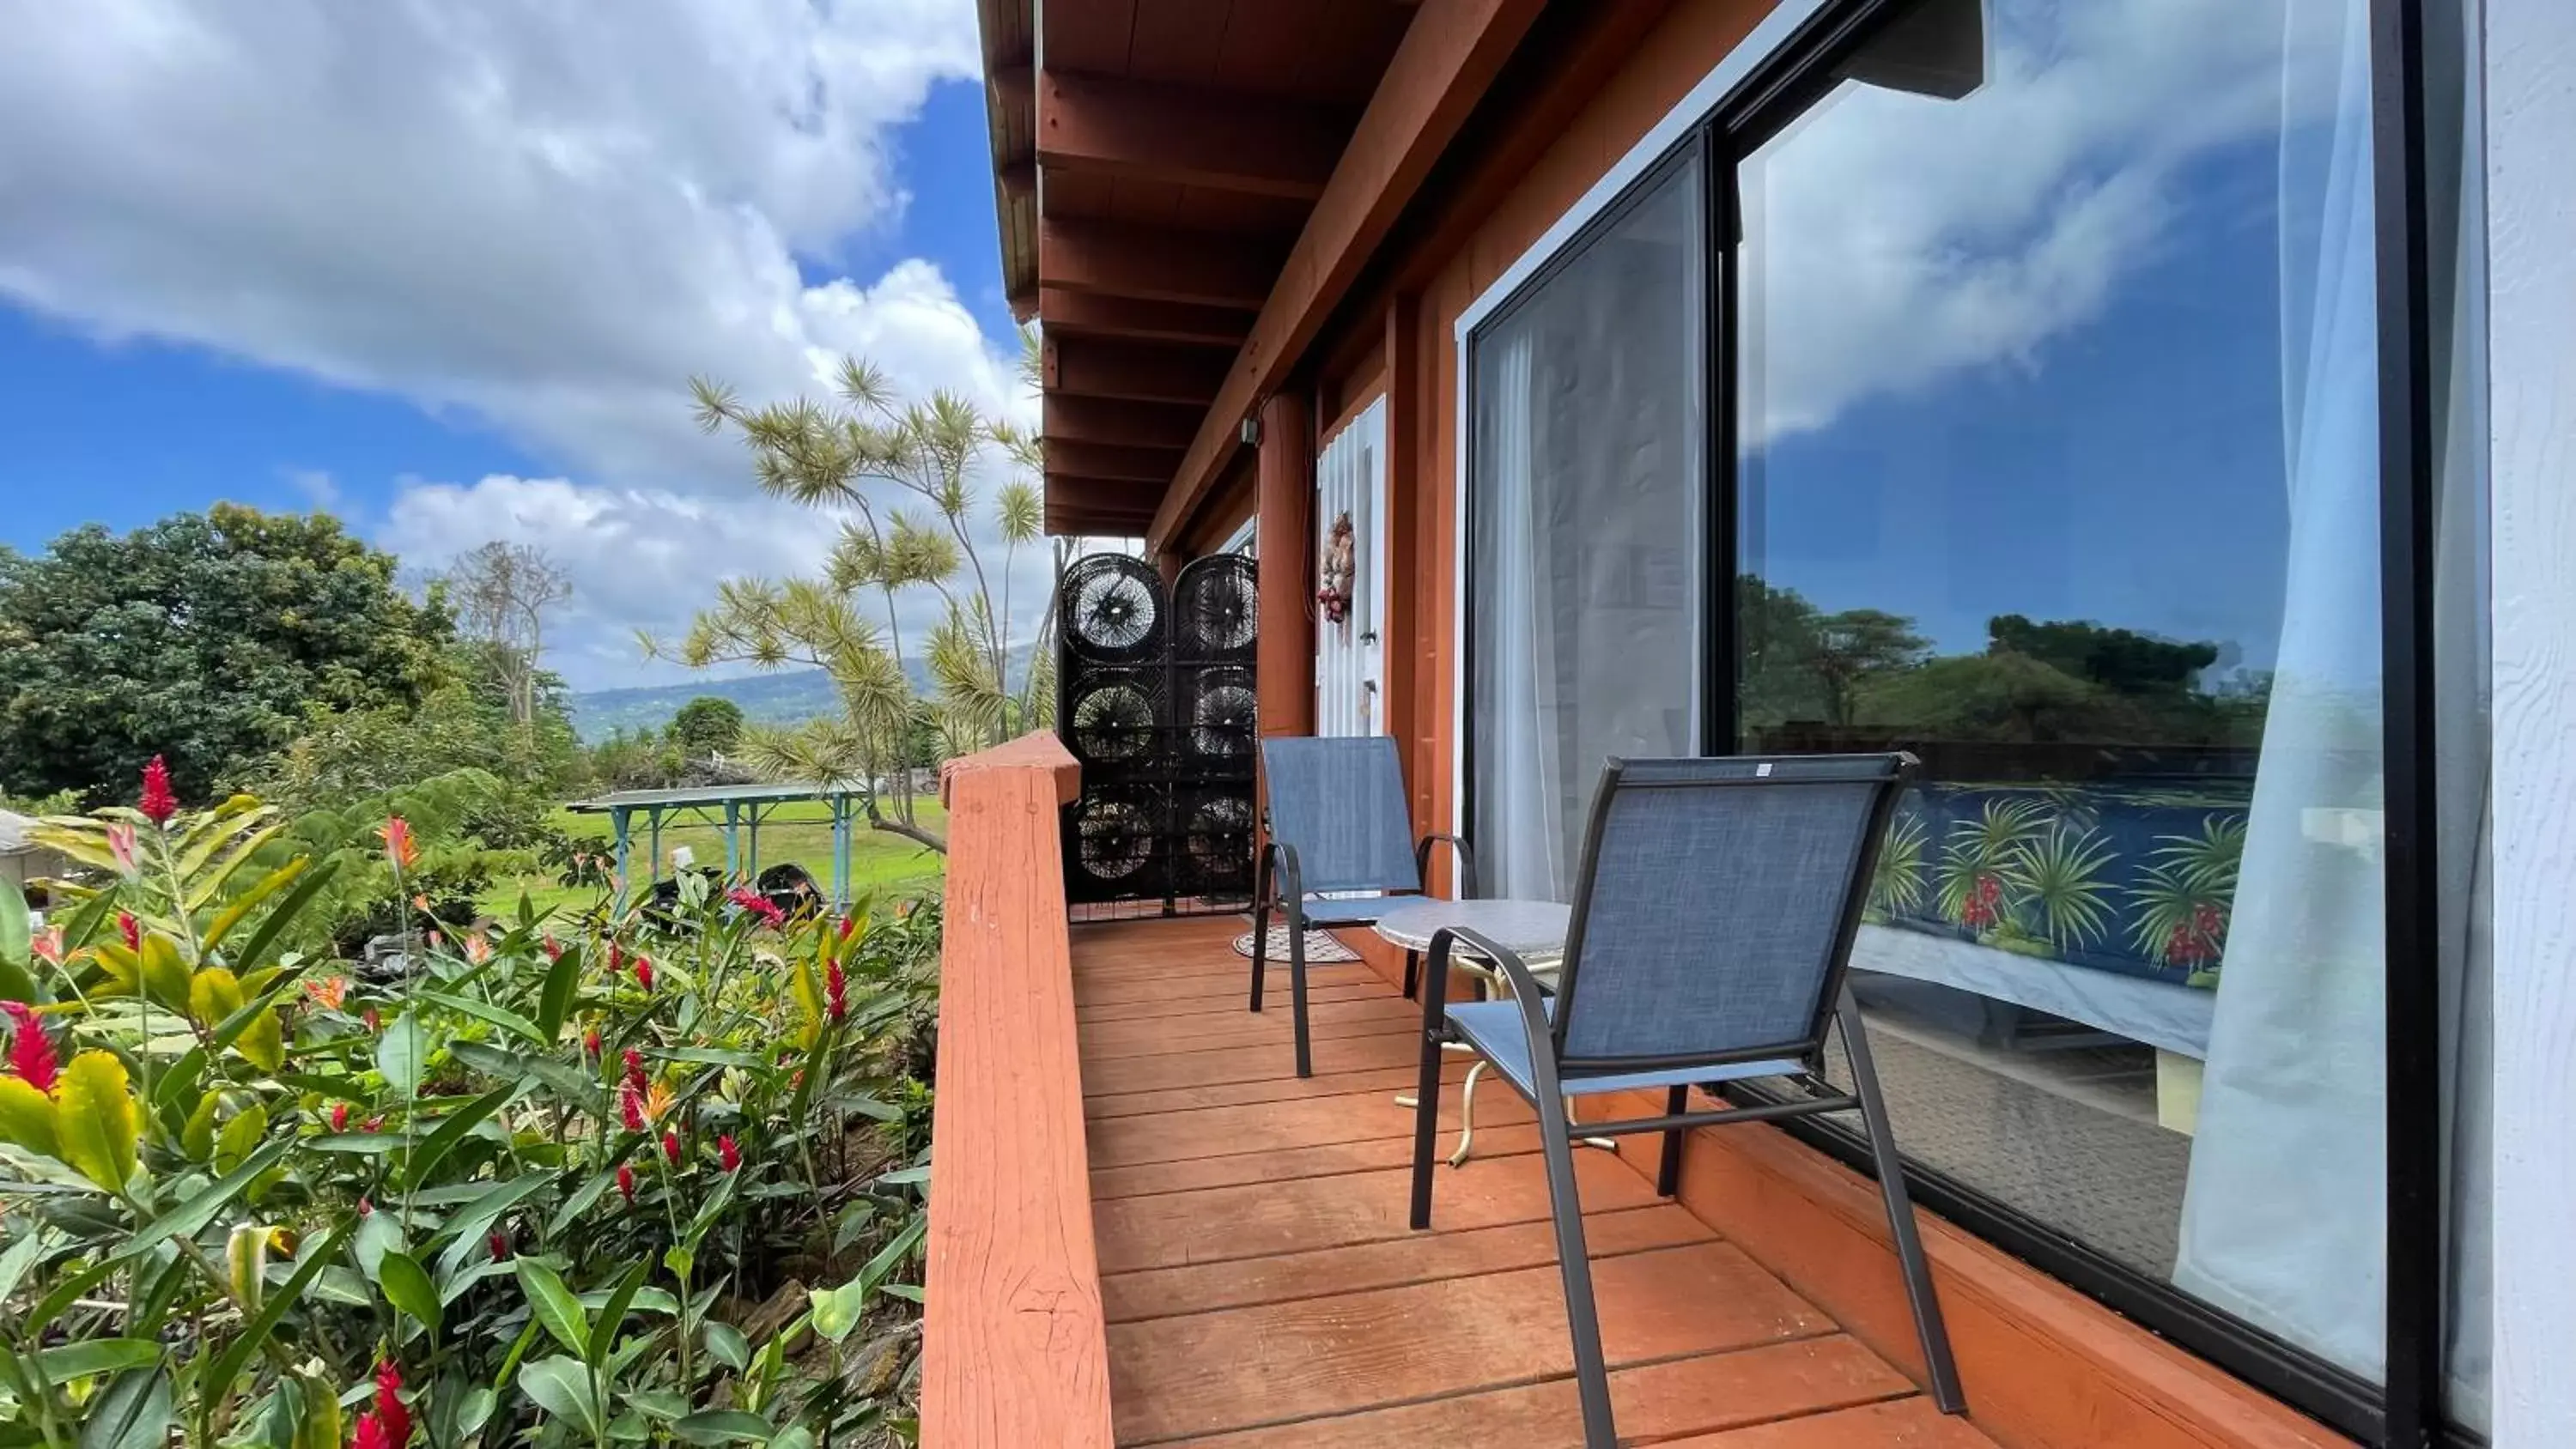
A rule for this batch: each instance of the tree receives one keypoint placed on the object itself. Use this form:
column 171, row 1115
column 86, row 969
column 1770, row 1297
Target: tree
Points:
column 502, row 593
column 1856, row 646
column 904, row 477
column 707, row 725
column 209, row 639
column 2121, row 660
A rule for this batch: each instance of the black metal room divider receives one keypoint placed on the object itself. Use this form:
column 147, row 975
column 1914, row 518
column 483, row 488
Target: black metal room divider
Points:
column 1155, row 699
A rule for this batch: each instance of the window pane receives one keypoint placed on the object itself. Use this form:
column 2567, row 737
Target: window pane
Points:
column 2059, row 469
column 1584, row 486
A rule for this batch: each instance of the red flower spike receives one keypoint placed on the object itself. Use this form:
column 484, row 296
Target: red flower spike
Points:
column 370, row 1435
column 389, row 1405
column 158, row 803
column 552, row 947
column 131, row 929
column 635, row 1066
column 590, row 1044
column 31, row 1052
column 729, row 1154
column 372, row 1124
column 615, row 958
column 849, row 924
column 644, row 972
column 500, row 1242
column 671, row 1148
column 836, row 990
column 373, row 1021
column 626, row 1181
column 339, row 1116
column 630, row 1104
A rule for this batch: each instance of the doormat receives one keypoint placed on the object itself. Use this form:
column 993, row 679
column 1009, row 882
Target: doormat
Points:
column 1321, row 947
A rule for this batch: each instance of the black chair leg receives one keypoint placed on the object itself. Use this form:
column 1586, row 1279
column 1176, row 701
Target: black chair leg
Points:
column 1412, row 974
column 1668, row 1173
column 1574, row 1262
column 1929, row 1328
column 1297, row 991
column 1260, row 946
column 1426, row 1119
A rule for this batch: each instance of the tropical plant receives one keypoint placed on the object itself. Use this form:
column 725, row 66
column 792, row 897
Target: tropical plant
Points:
column 1896, row 888
column 2186, row 895
column 520, row 1190
column 1982, row 858
column 2061, row 884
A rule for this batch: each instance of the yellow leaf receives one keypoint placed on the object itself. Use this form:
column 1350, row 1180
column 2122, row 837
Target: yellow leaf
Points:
column 197, row 1139
column 242, row 905
column 124, row 970
column 263, row 1042
column 321, row 1426
column 240, row 1137
column 213, row 994
column 94, row 1119
column 27, row 1117
column 165, row 976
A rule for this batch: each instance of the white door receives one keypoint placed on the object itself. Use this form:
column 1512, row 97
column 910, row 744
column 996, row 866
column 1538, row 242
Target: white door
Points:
column 1351, row 563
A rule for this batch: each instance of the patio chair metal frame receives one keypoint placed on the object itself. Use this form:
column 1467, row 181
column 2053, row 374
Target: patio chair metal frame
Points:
column 1279, row 864
column 1552, row 1072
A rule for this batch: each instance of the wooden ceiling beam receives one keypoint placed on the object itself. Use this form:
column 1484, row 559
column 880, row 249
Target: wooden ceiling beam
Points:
column 1133, row 371
column 1154, row 264
column 1082, row 493
column 1452, row 51
column 1111, row 460
column 1134, row 130
column 1066, row 419
column 1088, row 314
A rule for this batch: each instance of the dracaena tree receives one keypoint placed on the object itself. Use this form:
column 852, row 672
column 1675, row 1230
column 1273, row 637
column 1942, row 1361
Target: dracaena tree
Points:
column 911, row 481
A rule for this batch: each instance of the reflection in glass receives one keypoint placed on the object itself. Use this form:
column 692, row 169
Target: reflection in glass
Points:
column 1583, row 537
column 2059, row 469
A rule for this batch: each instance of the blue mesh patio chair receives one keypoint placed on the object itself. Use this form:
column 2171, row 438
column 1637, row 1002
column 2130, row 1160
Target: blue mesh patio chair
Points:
column 1337, row 824
column 1714, row 913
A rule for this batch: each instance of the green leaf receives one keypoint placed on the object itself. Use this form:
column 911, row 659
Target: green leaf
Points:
column 580, row 1202
column 240, row 906
column 563, row 987
column 906, row 1177
column 467, row 1227
column 603, row 1334
column 197, row 1138
column 455, row 1127
column 402, row 1053
column 64, row 1293
column 218, row 1382
column 499, row 1016
column 27, row 1117
column 240, row 1137
column 711, row 1056
column 836, row 1310
column 190, row 1218
column 17, row 931
column 96, row 1356
column 262, row 1041
column 475, row 1411
column 133, row 1413
column 255, row 950
column 408, row 1289
column 561, row 1387
column 727, row 1345
column 20, row 1257
column 723, row 1426
column 359, row 1144
column 95, row 1121
column 378, row 1234
column 882, row 1266
column 165, row 976
column 555, row 1306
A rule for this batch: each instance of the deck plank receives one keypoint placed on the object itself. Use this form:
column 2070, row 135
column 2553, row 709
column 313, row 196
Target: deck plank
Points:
column 1905, row 1424
column 1271, row 1126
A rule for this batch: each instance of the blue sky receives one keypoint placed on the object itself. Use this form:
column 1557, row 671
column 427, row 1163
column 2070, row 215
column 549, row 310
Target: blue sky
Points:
column 447, row 269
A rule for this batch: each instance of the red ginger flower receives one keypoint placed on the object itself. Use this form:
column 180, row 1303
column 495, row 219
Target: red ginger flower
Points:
column 390, row 1412
column 552, row 947
column 630, row 1103
column 158, row 803
column 615, row 958
column 626, row 1181
column 590, row 1044
column 635, row 1069
column 31, row 1052
column 339, row 1116
column 644, row 972
column 131, row 929
column 370, row 1435
column 848, row 925
column 753, row 903
column 500, row 1242
column 836, row 990
column 671, row 1148
column 730, row 1154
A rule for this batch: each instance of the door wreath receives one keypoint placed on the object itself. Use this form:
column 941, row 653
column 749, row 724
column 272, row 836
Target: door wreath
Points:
column 1341, row 565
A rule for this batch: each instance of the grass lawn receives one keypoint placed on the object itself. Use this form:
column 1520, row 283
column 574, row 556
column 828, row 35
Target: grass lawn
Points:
column 879, row 860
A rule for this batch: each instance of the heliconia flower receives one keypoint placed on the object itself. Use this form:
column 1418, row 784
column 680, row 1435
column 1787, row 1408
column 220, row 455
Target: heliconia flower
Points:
column 630, row 1105
column 477, row 949
column 389, row 1405
column 31, row 1052
column 644, row 972
column 626, row 1181
column 399, row 847
column 158, row 803
column 657, row 1101
column 131, row 929
column 48, row 945
column 500, row 1243
column 671, row 1148
column 120, row 847
column 730, row 1154
column 836, row 990
column 339, row 1116
column 331, row 992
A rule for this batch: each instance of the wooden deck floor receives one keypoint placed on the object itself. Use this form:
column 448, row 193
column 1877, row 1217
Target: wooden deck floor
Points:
column 1263, row 1291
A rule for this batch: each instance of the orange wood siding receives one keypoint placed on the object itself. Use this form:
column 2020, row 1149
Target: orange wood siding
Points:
column 1014, row 1352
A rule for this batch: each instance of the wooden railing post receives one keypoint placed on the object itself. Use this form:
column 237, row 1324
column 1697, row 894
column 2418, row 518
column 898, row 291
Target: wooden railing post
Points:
column 1014, row 1352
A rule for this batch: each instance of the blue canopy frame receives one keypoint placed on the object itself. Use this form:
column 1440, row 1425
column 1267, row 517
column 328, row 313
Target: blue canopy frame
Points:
column 743, row 808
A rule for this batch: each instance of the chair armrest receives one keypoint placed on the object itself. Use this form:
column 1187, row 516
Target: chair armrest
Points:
column 1466, row 864
column 1527, row 994
column 1292, row 893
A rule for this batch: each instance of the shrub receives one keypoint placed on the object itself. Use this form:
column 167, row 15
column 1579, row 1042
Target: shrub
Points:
column 630, row 1184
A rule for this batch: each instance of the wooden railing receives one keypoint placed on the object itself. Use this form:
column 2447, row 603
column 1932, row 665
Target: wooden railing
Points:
column 1014, row 1352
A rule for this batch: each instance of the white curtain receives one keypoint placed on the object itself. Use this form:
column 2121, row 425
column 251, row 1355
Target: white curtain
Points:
column 1523, row 820
column 2284, row 1217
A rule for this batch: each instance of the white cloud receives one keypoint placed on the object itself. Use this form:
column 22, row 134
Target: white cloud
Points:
column 540, row 218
